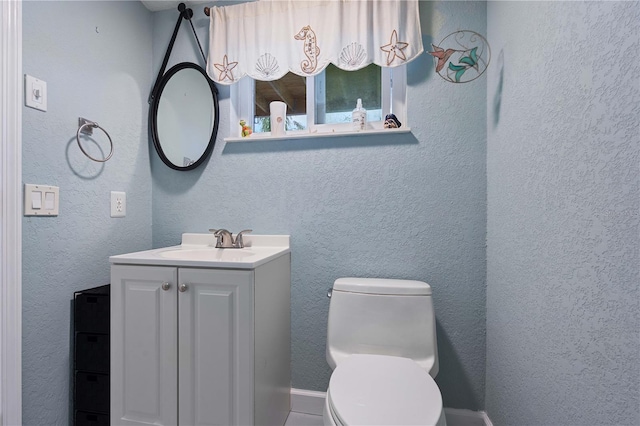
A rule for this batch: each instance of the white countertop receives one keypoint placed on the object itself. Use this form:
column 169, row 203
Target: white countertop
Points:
column 197, row 250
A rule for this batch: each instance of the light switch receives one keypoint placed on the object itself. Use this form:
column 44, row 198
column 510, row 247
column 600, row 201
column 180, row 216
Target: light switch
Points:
column 35, row 93
column 49, row 200
column 41, row 200
column 36, row 200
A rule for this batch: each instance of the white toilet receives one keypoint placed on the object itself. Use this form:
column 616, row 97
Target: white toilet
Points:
column 381, row 344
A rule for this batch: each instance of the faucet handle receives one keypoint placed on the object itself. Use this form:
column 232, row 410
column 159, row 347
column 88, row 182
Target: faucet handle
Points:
column 218, row 237
column 239, row 243
column 222, row 237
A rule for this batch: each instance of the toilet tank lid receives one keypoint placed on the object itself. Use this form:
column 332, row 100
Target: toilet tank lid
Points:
column 382, row 286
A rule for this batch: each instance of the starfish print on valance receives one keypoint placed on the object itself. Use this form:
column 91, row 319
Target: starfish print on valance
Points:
column 225, row 69
column 394, row 48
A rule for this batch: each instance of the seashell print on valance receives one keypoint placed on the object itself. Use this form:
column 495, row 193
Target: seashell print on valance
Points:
column 266, row 39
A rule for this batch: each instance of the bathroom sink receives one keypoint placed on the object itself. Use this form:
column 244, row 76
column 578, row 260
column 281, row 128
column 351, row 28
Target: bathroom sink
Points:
column 198, row 250
column 229, row 255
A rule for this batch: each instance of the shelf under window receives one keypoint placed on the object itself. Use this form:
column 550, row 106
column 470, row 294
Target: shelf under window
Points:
column 303, row 134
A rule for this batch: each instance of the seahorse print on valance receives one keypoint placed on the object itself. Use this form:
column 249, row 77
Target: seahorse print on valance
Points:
column 266, row 39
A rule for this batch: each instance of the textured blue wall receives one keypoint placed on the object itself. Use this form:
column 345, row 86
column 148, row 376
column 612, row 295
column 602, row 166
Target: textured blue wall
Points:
column 561, row 180
column 96, row 59
column 411, row 206
column 406, row 206
column 563, row 214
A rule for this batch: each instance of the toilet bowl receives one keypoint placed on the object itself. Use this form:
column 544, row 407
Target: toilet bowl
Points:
column 381, row 343
column 382, row 390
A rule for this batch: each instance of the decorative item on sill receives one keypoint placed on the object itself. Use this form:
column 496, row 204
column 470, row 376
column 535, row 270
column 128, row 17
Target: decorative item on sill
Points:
column 278, row 117
column 461, row 56
column 391, row 122
column 359, row 116
column 246, row 130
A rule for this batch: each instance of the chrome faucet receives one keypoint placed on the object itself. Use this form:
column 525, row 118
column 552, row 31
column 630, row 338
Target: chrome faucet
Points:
column 224, row 238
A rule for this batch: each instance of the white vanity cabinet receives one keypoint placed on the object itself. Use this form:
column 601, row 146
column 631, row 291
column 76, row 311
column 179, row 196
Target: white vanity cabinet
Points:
column 200, row 345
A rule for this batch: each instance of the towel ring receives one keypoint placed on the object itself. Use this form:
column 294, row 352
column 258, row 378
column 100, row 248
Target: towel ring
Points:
column 89, row 131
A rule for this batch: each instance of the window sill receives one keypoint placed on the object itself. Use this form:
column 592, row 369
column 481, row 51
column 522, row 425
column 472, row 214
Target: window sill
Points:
column 304, row 134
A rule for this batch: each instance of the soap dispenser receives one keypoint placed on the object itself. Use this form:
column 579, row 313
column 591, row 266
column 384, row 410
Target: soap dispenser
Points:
column 359, row 116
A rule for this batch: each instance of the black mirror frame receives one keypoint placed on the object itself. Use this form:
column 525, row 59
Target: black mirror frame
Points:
column 153, row 115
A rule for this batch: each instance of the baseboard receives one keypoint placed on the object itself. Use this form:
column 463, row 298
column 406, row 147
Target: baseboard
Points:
column 460, row 417
column 307, row 402
column 487, row 420
column 312, row 402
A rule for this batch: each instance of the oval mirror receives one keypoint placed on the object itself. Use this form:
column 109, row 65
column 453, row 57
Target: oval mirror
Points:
column 184, row 117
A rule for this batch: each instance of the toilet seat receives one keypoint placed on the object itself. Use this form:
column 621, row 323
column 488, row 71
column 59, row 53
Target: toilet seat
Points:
column 383, row 390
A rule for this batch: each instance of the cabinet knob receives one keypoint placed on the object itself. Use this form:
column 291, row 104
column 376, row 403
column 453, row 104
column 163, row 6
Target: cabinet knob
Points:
column 166, row 286
column 183, row 288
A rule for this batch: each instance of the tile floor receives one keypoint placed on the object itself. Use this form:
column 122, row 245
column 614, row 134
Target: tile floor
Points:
column 299, row 419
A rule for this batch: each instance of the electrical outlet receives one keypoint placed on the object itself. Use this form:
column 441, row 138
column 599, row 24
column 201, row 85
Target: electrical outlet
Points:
column 118, row 204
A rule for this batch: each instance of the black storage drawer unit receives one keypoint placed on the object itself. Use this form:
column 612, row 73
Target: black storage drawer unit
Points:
column 83, row 418
column 91, row 311
column 92, row 392
column 91, row 356
column 92, row 352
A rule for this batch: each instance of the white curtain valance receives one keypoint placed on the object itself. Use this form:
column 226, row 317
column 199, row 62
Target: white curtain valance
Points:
column 267, row 39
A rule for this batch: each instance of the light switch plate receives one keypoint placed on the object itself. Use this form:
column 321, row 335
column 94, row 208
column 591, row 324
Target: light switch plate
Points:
column 41, row 200
column 35, row 93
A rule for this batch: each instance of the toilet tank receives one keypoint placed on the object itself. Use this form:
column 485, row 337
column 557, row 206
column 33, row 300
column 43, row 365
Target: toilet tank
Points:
column 382, row 317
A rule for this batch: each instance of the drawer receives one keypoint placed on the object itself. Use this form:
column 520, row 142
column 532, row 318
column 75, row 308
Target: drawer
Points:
column 92, row 352
column 92, row 392
column 83, row 418
column 91, row 313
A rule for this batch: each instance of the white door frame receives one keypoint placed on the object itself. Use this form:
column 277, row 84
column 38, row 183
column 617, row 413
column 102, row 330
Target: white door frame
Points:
column 11, row 213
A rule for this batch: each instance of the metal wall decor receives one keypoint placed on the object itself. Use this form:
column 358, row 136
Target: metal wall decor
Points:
column 461, row 56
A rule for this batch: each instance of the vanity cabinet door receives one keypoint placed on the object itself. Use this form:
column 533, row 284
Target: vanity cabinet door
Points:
column 143, row 345
column 216, row 347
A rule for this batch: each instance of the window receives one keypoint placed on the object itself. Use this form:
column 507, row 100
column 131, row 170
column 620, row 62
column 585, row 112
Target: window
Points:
column 323, row 103
column 336, row 92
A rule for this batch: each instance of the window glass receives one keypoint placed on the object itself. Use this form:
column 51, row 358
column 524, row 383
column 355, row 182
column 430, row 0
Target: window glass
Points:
column 321, row 103
column 337, row 92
